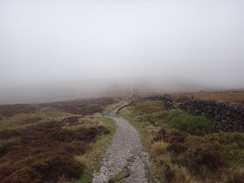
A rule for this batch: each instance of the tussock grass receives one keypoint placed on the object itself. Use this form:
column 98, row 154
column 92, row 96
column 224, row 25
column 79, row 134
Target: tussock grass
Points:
column 159, row 147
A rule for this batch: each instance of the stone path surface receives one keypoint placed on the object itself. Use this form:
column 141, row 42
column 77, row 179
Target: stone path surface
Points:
column 125, row 151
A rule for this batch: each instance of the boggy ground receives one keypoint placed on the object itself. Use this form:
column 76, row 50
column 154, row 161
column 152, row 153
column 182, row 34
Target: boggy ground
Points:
column 184, row 148
column 54, row 142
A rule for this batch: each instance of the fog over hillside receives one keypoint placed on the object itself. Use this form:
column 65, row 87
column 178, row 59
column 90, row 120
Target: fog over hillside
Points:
column 59, row 50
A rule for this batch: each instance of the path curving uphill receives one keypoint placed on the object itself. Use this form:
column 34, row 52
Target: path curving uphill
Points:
column 125, row 152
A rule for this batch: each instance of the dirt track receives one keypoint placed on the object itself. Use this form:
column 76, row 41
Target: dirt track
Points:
column 124, row 152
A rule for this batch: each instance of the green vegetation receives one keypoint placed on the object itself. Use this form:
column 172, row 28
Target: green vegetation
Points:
column 180, row 120
column 55, row 142
column 184, row 148
column 119, row 176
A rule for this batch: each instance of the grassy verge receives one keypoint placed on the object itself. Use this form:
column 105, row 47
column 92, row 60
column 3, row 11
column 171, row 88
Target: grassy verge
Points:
column 183, row 147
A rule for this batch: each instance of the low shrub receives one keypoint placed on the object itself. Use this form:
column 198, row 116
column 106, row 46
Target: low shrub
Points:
column 31, row 120
column 82, row 107
column 11, row 110
column 9, row 133
column 169, row 173
column 204, row 162
column 88, row 134
column 24, row 175
column 49, row 169
column 71, row 148
column 102, row 130
column 209, row 158
column 172, row 137
column 43, row 149
column 237, row 179
column 71, row 119
column 177, row 148
column 59, row 166
column 51, row 142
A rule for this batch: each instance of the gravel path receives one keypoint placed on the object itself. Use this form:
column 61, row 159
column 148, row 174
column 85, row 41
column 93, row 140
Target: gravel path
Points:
column 125, row 151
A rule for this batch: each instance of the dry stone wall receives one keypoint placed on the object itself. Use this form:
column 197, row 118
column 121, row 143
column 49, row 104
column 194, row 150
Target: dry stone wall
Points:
column 225, row 116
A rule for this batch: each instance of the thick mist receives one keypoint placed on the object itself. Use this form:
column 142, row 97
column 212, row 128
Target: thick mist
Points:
column 55, row 50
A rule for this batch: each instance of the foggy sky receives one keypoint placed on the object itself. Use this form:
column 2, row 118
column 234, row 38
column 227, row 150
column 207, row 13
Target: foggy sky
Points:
column 48, row 41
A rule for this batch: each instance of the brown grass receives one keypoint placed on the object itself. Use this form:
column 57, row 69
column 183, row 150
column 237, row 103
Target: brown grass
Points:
column 159, row 147
column 148, row 106
column 233, row 96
